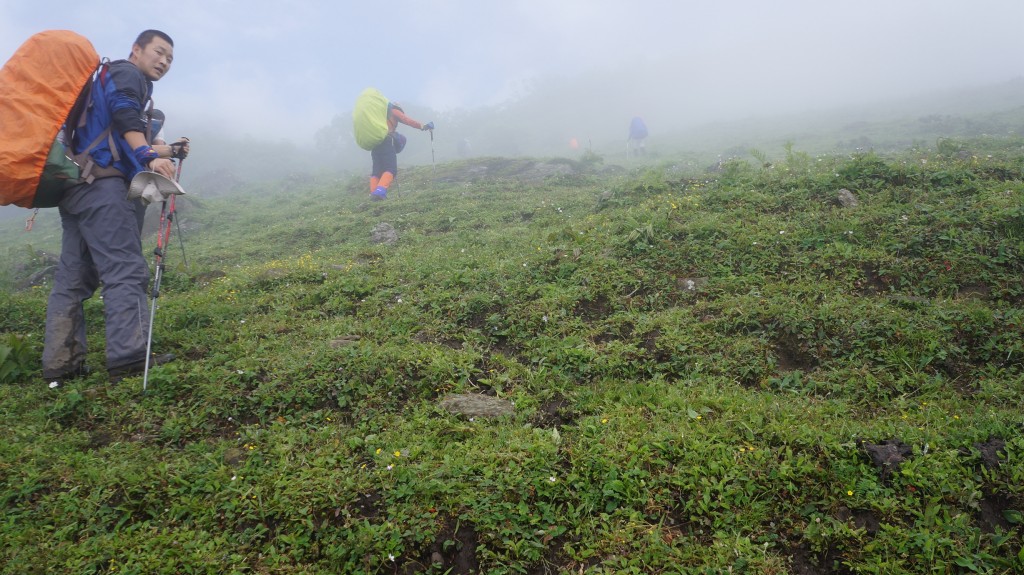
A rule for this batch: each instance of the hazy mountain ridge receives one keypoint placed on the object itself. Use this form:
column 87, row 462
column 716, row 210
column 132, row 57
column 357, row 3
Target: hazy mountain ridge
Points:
column 536, row 126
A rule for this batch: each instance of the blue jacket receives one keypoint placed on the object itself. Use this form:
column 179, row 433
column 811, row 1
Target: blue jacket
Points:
column 119, row 96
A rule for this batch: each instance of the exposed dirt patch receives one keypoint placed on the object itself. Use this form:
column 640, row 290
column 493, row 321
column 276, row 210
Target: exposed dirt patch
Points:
column 650, row 344
column 676, row 522
column 974, row 291
column 861, row 519
column 450, row 343
column 993, row 452
column 806, row 561
column 887, row 456
column 194, row 354
column 873, row 283
column 991, row 516
column 453, row 551
column 366, row 506
column 555, row 560
column 100, row 438
column 500, row 345
column 478, row 318
column 553, row 413
column 965, row 386
column 593, row 309
column 615, row 333
column 791, row 355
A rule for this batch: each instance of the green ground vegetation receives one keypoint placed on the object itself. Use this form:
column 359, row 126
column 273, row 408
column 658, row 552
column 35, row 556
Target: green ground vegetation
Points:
column 721, row 371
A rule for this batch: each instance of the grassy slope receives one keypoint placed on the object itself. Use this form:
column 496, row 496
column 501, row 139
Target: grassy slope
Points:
column 699, row 364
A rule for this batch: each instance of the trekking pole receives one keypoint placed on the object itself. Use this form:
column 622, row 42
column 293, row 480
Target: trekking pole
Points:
column 162, row 233
column 177, row 223
column 433, row 164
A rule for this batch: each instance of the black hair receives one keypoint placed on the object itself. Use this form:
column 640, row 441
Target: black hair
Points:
column 147, row 36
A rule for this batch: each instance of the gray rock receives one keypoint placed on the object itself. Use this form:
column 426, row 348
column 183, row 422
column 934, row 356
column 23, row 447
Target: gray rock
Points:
column 847, row 199
column 383, row 233
column 37, row 279
column 477, row 405
column 691, row 284
column 344, row 341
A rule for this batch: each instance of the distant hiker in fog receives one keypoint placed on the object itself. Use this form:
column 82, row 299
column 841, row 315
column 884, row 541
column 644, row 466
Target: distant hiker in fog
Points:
column 385, row 154
column 637, row 137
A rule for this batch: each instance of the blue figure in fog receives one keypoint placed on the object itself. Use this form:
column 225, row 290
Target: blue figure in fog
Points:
column 637, row 137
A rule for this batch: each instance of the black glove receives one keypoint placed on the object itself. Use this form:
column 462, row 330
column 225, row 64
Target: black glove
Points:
column 179, row 149
column 428, row 126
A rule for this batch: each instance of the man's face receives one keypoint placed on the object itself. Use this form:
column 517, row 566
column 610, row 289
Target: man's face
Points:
column 155, row 59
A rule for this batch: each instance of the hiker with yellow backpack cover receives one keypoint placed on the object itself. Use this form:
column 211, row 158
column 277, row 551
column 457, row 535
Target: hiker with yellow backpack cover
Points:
column 375, row 120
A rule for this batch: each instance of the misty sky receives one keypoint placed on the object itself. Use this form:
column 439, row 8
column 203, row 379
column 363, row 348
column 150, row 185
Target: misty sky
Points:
column 282, row 69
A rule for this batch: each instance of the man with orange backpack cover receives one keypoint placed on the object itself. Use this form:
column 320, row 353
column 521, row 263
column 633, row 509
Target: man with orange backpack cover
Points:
column 101, row 241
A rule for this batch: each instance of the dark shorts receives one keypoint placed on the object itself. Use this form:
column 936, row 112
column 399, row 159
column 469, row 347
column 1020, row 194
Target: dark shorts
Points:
column 385, row 158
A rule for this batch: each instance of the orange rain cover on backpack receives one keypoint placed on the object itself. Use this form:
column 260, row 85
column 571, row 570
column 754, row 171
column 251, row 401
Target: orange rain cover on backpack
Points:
column 38, row 87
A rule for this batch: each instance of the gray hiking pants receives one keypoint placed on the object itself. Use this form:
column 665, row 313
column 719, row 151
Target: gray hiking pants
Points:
column 101, row 243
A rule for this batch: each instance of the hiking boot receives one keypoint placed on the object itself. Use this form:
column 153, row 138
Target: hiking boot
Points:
column 67, row 376
column 381, row 193
column 137, row 367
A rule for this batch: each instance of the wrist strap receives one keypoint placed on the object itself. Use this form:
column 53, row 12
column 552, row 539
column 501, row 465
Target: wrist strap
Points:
column 145, row 154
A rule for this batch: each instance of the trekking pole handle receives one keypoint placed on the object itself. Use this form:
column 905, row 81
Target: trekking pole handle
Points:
column 178, row 148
